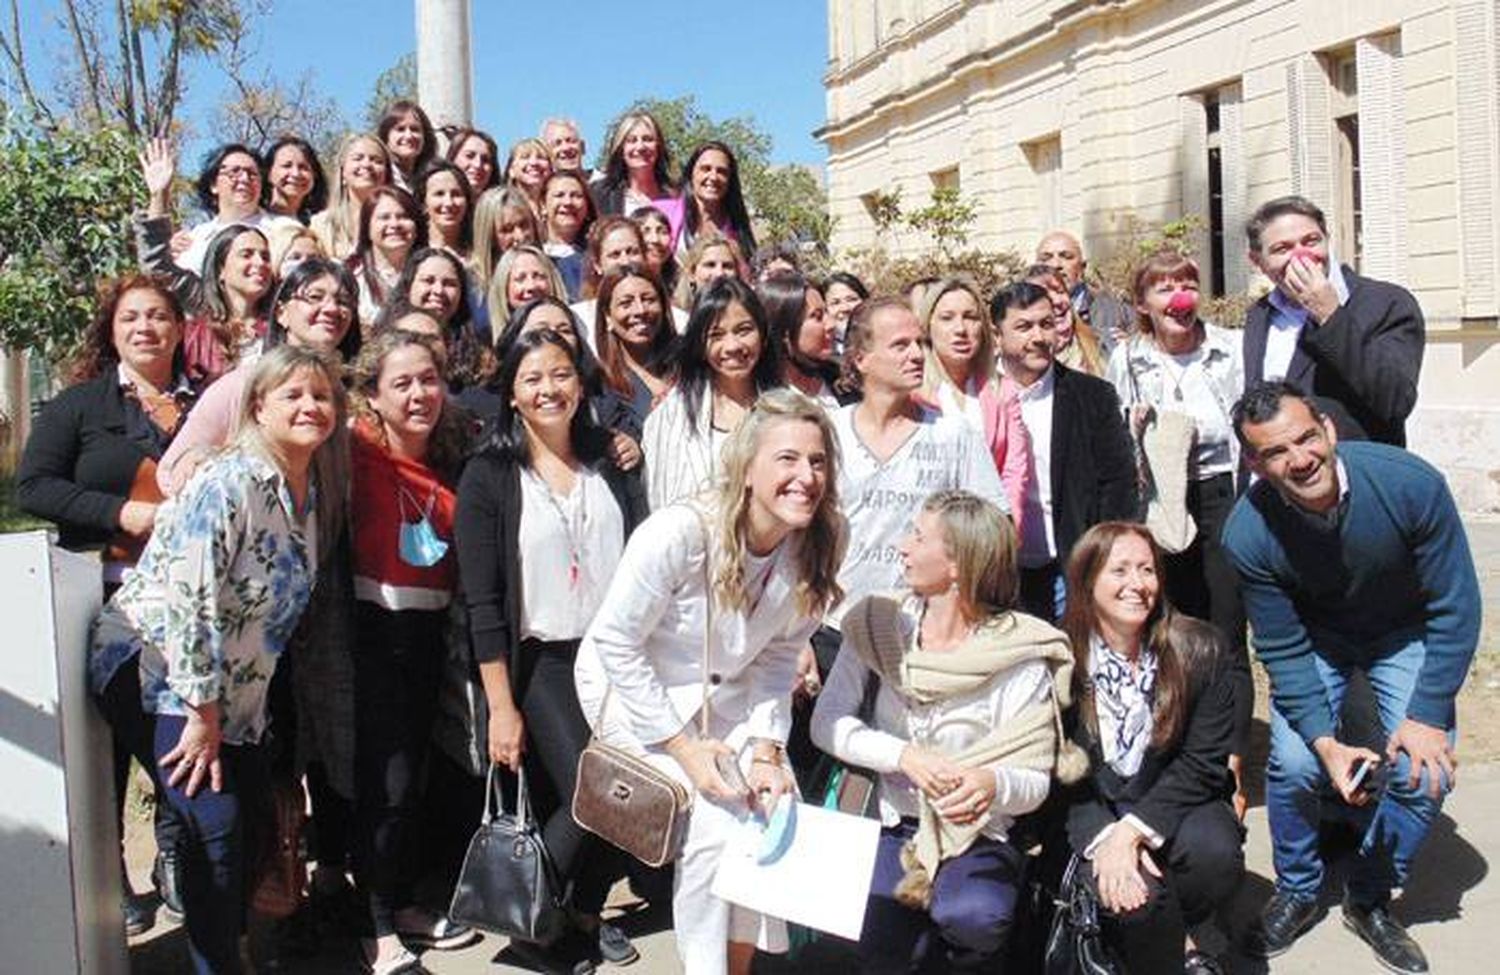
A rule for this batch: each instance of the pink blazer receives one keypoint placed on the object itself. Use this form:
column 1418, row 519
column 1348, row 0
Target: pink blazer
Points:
column 1006, row 436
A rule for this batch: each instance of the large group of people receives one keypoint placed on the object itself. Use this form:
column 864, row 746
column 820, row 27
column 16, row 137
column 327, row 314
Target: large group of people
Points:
column 434, row 426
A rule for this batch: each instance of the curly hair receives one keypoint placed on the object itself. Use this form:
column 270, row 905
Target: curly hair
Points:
column 449, row 441
column 96, row 351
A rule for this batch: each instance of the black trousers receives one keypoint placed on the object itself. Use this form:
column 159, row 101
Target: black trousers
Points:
column 1203, row 864
column 396, row 671
column 556, row 733
column 1201, row 582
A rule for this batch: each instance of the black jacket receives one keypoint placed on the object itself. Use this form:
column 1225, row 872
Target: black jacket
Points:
column 1361, row 365
column 1170, row 783
column 487, row 530
column 81, row 460
column 1093, row 466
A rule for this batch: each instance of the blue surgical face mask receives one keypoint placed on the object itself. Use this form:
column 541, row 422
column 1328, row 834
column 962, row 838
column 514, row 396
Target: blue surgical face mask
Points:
column 417, row 542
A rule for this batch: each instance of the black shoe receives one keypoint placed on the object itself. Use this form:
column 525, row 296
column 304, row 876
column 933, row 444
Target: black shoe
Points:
column 1282, row 921
column 615, row 947
column 1394, row 948
column 166, row 874
column 1202, row 963
column 566, row 956
column 140, row 913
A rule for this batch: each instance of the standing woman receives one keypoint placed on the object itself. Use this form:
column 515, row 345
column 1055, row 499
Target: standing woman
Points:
column 711, row 198
column 229, row 304
column 567, row 215
column 293, row 184
column 965, row 731
column 961, row 379
column 803, row 334
column 476, row 154
column 406, row 450
column 638, row 168
column 711, row 257
column 634, row 344
column 408, row 136
column 434, row 280
column 228, row 188
column 656, row 244
column 725, row 360
column 543, row 517
column 763, row 549
column 527, row 168
column 613, row 243
column 523, row 273
column 1077, row 345
column 1178, row 363
column 1156, row 701
column 90, row 468
column 363, row 165
column 390, row 228
column 844, row 293
column 206, row 616
column 502, row 219
column 443, row 191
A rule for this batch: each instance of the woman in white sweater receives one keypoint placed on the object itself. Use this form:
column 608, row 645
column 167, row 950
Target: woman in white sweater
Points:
column 954, row 698
column 694, row 650
column 726, row 358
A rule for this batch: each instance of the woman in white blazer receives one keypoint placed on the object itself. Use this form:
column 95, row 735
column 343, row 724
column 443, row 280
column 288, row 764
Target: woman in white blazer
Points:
column 725, row 359
column 651, row 662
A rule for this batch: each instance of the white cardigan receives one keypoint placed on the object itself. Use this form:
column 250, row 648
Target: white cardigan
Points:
column 946, row 727
column 679, row 458
column 646, row 643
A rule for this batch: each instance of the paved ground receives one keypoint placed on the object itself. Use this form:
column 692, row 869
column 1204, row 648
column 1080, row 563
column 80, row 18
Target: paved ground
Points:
column 1452, row 906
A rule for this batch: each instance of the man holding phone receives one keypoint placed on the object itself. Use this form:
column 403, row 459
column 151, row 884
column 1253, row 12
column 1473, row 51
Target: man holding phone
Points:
column 1351, row 557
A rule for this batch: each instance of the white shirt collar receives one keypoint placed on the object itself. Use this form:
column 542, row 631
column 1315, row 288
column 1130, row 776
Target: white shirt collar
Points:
column 1040, row 389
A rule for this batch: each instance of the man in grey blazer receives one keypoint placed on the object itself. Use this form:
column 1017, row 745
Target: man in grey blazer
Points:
column 1352, row 343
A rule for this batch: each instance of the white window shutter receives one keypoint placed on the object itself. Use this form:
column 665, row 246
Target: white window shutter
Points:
column 1478, row 164
column 1382, row 155
column 1309, row 135
column 1193, row 119
column 1235, row 188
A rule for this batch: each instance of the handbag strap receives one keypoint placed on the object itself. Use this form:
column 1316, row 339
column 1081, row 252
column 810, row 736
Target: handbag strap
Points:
column 708, row 630
column 494, row 802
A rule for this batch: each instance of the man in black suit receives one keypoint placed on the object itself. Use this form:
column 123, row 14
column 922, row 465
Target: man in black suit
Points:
column 1083, row 470
column 1352, row 343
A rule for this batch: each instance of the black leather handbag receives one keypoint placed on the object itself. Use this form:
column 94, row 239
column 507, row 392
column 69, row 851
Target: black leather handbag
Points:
column 507, row 884
column 1075, row 945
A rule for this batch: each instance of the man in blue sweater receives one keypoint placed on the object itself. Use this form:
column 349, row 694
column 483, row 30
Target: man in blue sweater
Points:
column 1352, row 557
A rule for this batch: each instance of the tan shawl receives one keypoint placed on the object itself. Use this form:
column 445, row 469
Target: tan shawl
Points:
column 1033, row 739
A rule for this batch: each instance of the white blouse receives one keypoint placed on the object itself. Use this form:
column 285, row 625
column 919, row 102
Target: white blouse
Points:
column 569, row 548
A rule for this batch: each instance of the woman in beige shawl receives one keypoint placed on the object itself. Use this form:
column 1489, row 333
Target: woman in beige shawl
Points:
column 964, row 732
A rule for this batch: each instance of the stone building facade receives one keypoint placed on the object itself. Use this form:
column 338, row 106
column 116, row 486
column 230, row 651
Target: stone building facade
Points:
column 1074, row 114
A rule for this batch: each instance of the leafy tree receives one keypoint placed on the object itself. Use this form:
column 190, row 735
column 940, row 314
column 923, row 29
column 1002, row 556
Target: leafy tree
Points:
column 946, row 219
column 787, row 203
column 393, row 84
column 65, row 201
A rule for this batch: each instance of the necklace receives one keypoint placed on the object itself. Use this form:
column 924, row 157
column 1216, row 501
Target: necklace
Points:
column 573, row 525
column 1179, row 374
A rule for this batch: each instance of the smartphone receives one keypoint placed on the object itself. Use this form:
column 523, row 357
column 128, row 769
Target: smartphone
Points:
column 729, row 771
column 1363, row 779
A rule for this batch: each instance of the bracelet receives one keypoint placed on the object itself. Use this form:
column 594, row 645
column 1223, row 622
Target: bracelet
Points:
column 765, row 761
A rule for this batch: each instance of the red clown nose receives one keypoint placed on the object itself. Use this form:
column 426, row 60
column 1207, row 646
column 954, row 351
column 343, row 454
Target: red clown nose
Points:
column 1182, row 303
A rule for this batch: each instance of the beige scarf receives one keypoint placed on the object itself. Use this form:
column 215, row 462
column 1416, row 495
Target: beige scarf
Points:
column 1033, row 739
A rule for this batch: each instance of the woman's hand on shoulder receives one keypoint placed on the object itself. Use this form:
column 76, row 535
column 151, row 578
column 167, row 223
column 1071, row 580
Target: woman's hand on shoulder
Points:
column 507, row 736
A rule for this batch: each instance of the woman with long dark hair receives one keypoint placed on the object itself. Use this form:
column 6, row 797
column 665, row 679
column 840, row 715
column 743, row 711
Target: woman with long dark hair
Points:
column 633, row 342
column 293, row 184
column 725, row 359
column 803, row 334
column 711, row 197
column 447, row 203
column 475, row 153
column 229, row 304
column 542, row 520
column 1156, row 701
column 567, row 216
column 390, row 228
column 409, row 138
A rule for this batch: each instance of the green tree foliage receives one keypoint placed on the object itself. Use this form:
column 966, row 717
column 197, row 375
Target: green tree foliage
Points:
column 947, row 220
column 787, row 203
column 65, row 201
column 393, row 84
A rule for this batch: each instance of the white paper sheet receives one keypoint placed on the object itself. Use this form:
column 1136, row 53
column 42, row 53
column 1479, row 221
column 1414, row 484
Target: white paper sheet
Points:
column 821, row 882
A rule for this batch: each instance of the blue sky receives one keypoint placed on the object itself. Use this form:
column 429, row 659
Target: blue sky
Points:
column 583, row 58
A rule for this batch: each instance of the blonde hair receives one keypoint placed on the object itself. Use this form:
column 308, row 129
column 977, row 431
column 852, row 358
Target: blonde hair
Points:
column 330, row 463
column 981, row 541
column 982, row 365
column 821, row 549
column 282, row 239
column 489, row 214
column 499, row 296
column 687, row 290
column 1083, row 352
column 341, row 234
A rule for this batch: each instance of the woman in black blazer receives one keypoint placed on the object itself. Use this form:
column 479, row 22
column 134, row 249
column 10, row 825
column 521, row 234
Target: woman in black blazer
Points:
column 90, row 468
column 1156, row 714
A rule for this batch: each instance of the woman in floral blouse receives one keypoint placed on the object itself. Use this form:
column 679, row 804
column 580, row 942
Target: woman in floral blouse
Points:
column 207, row 612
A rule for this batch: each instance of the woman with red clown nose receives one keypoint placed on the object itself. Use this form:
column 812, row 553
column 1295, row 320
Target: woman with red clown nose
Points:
column 1178, row 377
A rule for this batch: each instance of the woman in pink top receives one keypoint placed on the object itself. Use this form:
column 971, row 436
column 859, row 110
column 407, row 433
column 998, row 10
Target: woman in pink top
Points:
column 961, row 378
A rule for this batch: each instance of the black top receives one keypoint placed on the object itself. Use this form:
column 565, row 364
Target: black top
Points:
column 487, row 531
column 1170, row 783
column 1093, row 465
column 1361, row 366
column 82, row 458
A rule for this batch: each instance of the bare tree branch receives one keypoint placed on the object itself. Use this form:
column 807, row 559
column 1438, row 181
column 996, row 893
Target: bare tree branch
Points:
column 14, row 49
column 86, row 60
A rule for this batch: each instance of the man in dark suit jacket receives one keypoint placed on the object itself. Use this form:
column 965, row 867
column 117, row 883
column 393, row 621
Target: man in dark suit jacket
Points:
column 1352, row 343
column 1084, row 471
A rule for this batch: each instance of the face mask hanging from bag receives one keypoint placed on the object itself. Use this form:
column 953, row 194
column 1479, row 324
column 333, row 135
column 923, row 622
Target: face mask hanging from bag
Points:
column 418, row 543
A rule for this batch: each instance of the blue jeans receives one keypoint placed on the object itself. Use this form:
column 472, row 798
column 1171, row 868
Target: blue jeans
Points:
column 213, row 850
column 965, row 929
column 1297, row 786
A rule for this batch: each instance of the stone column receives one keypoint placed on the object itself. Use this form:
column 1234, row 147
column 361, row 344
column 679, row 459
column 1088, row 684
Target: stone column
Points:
column 444, row 67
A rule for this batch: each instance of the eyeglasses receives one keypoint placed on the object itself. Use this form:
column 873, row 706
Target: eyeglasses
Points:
column 237, row 173
column 318, row 299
